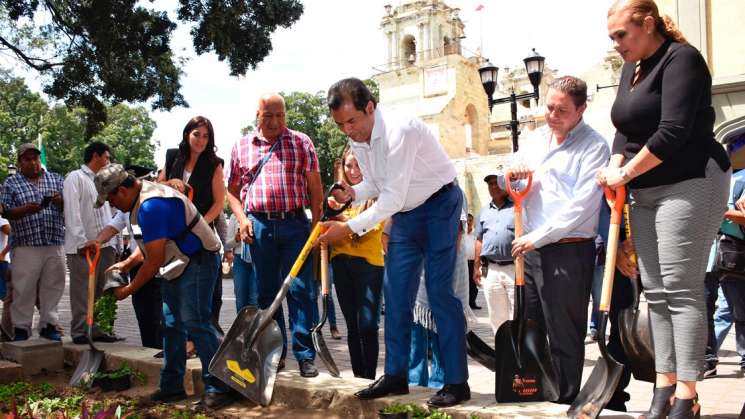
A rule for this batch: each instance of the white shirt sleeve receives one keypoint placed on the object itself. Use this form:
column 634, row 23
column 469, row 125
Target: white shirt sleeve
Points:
column 73, row 222
column 119, row 221
column 403, row 145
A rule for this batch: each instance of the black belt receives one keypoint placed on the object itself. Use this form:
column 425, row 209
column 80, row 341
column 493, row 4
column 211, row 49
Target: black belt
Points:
column 505, row 262
column 446, row 187
column 279, row 215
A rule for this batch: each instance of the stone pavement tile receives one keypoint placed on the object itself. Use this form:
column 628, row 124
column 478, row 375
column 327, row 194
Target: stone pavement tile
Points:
column 719, row 396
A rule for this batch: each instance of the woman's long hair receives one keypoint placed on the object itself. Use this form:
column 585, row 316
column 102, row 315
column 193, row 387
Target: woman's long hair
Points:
column 341, row 175
column 184, row 150
column 640, row 9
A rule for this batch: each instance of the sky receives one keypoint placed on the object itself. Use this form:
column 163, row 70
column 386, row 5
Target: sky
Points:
column 335, row 39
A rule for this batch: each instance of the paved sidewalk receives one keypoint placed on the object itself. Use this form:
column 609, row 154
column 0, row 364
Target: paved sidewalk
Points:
column 721, row 397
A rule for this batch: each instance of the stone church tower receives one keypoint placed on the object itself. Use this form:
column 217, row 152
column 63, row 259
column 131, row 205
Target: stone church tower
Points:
column 425, row 75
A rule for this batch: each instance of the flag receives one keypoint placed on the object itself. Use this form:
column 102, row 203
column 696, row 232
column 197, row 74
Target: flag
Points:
column 479, row 7
column 43, row 155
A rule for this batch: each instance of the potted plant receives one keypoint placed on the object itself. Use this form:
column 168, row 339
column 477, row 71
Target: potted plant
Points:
column 119, row 379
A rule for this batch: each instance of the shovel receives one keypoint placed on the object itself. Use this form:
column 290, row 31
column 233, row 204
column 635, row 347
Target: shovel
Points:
column 634, row 331
column 599, row 388
column 318, row 343
column 90, row 360
column 248, row 356
column 524, row 370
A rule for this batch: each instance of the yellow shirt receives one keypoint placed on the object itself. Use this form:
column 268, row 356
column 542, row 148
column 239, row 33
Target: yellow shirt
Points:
column 368, row 246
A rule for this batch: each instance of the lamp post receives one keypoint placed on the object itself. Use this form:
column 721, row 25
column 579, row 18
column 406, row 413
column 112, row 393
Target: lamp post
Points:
column 488, row 72
column 12, row 170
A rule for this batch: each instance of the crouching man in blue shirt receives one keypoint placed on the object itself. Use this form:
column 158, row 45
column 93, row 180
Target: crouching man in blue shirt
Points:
column 178, row 245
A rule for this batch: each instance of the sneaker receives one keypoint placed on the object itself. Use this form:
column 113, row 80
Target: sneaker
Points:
column 159, row 396
column 710, row 370
column 50, row 332
column 217, row 400
column 20, row 334
column 107, row 338
column 307, row 368
column 80, row 340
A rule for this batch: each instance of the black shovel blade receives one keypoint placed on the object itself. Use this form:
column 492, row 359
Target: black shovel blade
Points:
column 251, row 371
column 636, row 339
column 525, row 372
column 599, row 388
column 89, row 363
column 319, row 344
column 480, row 351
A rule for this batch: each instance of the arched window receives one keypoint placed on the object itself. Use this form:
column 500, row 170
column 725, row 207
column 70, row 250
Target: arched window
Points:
column 408, row 49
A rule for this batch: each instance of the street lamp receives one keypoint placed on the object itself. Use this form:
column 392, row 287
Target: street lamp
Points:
column 12, row 170
column 488, row 72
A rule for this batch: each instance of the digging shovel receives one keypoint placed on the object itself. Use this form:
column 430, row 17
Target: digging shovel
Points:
column 599, row 388
column 248, row 356
column 634, row 330
column 524, row 370
column 318, row 343
column 90, row 360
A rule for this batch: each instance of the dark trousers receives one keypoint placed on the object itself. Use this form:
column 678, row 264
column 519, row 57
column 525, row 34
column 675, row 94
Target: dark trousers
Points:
column 473, row 290
column 217, row 302
column 558, row 278
column 734, row 293
column 711, row 291
column 148, row 306
column 358, row 285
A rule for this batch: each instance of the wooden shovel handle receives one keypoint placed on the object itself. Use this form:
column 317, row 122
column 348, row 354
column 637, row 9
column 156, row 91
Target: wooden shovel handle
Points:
column 325, row 269
column 92, row 263
column 517, row 199
column 616, row 199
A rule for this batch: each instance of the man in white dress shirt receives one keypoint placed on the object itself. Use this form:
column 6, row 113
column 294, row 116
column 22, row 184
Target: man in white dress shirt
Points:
column 83, row 222
column 406, row 169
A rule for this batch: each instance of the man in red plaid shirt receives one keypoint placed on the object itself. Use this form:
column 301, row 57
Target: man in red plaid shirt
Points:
column 274, row 175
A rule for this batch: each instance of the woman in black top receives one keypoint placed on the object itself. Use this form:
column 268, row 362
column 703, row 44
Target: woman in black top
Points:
column 678, row 176
column 196, row 164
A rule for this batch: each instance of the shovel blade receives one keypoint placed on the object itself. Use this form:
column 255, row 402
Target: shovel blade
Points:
column 525, row 372
column 89, row 363
column 323, row 352
column 599, row 388
column 636, row 340
column 249, row 371
column 480, row 351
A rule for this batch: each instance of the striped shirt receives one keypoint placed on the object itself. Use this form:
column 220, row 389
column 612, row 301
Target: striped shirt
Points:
column 281, row 184
column 44, row 228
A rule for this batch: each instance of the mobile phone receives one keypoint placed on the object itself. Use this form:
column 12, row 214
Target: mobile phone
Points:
column 45, row 201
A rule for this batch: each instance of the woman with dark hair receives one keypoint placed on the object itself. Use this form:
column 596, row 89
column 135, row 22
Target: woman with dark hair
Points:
column 195, row 164
column 678, row 178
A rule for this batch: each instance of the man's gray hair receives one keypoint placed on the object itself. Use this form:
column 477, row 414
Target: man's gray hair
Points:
column 575, row 87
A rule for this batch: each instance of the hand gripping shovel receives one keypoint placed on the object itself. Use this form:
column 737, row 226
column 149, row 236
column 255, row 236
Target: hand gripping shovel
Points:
column 634, row 331
column 318, row 343
column 524, row 371
column 90, row 360
column 248, row 355
column 599, row 388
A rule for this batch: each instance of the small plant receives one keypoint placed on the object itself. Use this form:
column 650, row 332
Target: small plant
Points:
column 438, row 414
column 474, row 416
column 411, row 410
column 104, row 312
column 123, row 371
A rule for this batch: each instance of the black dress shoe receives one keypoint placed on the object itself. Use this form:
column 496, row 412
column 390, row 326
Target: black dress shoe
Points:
column 307, row 368
column 280, row 365
column 475, row 307
column 107, row 338
column 450, row 395
column 159, row 396
column 80, row 340
column 386, row 385
column 218, row 400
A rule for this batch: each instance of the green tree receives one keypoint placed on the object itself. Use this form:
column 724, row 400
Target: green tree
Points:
column 92, row 53
column 21, row 113
column 129, row 133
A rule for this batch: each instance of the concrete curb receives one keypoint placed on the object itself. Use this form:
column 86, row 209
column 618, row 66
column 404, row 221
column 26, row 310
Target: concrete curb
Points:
column 334, row 396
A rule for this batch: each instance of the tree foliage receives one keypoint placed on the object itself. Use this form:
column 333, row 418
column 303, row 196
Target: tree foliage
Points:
column 94, row 52
column 25, row 117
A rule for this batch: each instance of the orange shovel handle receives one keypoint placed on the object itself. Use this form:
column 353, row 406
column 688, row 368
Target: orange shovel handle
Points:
column 517, row 199
column 92, row 263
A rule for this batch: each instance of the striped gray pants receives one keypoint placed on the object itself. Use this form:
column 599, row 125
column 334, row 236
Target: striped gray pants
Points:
column 673, row 227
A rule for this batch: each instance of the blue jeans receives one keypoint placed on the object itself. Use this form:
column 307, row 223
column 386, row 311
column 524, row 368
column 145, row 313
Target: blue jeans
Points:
column 422, row 340
column 244, row 284
column 358, row 286
column 276, row 245
column 186, row 310
column 711, row 286
column 733, row 291
column 425, row 235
